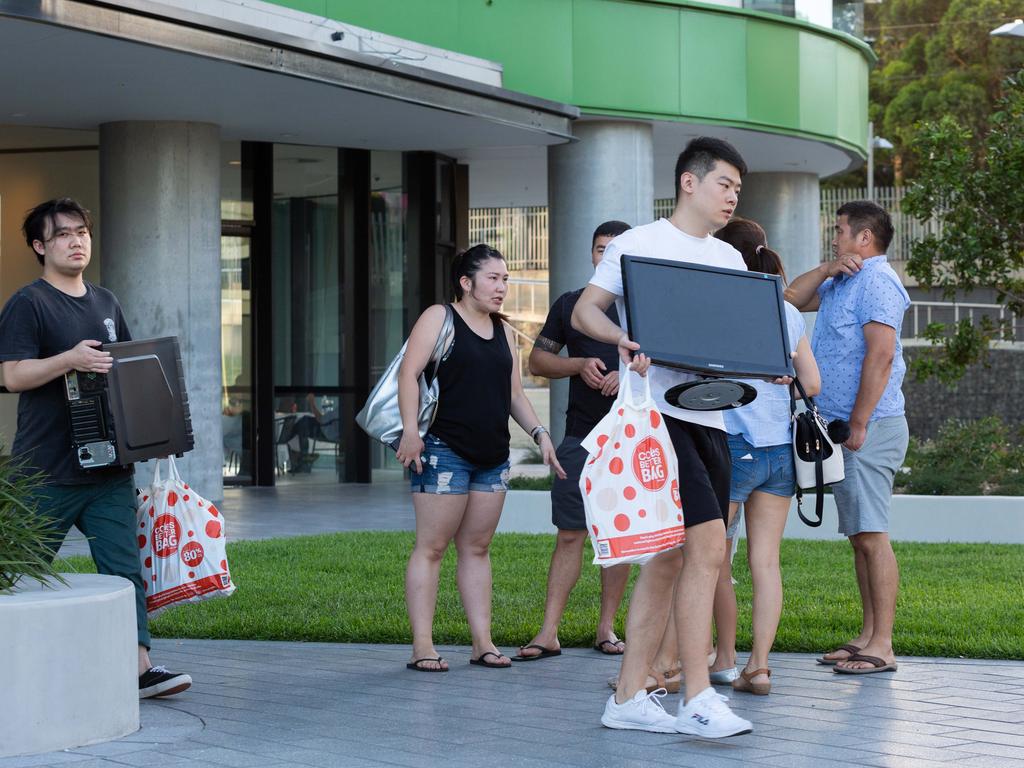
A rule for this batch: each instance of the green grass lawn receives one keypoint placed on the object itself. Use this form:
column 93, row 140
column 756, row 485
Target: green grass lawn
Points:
column 956, row 599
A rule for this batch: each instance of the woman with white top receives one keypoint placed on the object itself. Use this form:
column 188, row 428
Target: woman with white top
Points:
column 763, row 481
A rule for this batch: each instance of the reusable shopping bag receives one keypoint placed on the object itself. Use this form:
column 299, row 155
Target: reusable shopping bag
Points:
column 181, row 543
column 630, row 482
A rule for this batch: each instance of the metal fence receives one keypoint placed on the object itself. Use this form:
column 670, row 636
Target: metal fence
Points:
column 521, row 234
column 922, row 313
column 908, row 229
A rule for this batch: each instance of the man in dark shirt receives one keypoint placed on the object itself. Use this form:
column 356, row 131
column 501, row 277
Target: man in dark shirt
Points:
column 48, row 328
column 593, row 371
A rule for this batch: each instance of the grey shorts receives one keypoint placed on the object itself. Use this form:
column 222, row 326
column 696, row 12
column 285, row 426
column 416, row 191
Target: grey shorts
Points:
column 567, row 513
column 864, row 497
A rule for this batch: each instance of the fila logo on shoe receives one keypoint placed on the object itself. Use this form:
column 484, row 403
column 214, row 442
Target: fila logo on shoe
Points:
column 702, row 720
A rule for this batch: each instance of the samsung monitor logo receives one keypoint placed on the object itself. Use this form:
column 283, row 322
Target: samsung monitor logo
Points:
column 715, row 365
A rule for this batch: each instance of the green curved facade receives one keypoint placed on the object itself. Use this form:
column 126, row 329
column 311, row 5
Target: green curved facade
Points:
column 668, row 60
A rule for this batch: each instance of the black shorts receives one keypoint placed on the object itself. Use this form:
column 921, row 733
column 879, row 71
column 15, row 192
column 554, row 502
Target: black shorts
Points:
column 567, row 513
column 705, row 470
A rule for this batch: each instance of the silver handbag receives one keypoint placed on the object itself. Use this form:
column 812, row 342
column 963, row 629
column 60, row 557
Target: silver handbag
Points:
column 380, row 417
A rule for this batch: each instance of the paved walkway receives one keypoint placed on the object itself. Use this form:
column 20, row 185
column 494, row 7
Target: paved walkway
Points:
column 279, row 705
column 275, row 705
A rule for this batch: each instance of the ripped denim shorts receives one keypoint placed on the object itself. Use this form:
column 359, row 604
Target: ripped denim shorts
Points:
column 445, row 472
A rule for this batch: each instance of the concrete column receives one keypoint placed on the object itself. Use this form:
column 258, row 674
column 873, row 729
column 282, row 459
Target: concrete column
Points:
column 160, row 197
column 788, row 206
column 607, row 174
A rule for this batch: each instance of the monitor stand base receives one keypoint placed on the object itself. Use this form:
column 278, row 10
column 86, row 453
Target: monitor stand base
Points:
column 710, row 395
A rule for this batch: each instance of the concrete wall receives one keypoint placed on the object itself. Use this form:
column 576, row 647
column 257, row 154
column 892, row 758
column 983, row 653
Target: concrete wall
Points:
column 27, row 179
column 995, row 390
column 977, row 519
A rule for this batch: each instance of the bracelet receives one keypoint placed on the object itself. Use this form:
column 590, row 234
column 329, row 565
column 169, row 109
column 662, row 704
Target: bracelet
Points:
column 536, row 432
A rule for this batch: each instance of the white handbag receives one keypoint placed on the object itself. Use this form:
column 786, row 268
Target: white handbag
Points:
column 818, row 460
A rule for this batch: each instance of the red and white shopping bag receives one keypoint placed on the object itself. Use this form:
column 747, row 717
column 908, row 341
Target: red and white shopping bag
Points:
column 630, row 482
column 181, row 543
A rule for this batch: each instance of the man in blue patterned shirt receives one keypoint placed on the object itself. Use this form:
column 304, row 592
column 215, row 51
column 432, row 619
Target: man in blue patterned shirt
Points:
column 861, row 303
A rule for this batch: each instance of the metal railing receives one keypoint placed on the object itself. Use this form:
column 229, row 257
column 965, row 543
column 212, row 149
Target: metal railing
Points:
column 521, row 234
column 924, row 312
column 908, row 229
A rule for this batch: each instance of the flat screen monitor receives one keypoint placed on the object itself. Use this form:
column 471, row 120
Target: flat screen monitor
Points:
column 706, row 320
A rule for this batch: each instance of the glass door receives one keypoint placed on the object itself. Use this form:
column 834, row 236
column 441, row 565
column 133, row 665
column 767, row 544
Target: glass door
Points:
column 236, row 353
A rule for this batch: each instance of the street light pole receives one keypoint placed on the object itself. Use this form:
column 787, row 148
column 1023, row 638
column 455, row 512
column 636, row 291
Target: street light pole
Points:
column 871, row 161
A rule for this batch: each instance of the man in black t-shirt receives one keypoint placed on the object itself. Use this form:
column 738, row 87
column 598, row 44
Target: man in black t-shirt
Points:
column 48, row 328
column 593, row 371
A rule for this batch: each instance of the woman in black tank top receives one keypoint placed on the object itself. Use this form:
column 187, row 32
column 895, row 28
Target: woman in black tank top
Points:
column 460, row 469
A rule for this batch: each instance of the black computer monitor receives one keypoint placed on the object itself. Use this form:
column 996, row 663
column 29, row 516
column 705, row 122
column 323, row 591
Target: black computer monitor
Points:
column 706, row 320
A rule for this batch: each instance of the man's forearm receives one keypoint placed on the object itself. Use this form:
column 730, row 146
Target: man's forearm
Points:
column 23, row 375
column 803, row 289
column 552, row 366
column 874, row 376
column 592, row 321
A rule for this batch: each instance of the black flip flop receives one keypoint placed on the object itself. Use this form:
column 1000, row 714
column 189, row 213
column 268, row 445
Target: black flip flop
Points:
column 545, row 653
column 614, row 644
column 482, row 661
column 415, row 665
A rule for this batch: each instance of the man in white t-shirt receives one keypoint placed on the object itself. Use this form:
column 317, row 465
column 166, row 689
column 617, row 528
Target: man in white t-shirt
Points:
column 707, row 179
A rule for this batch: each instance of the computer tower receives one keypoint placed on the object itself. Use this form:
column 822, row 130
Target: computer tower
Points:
column 137, row 411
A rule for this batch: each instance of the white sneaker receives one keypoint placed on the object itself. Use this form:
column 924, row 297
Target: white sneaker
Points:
column 641, row 713
column 708, row 716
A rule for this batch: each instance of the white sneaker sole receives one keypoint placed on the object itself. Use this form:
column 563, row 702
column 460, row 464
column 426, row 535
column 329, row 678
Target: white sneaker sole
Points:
column 724, row 734
column 624, row 725
column 167, row 688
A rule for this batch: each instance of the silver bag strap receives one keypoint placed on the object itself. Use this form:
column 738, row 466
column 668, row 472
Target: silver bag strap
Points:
column 441, row 345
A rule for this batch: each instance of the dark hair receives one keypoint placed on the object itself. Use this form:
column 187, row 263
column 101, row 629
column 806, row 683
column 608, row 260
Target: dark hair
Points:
column 611, row 228
column 749, row 239
column 700, row 157
column 43, row 218
column 865, row 214
column 467, row 264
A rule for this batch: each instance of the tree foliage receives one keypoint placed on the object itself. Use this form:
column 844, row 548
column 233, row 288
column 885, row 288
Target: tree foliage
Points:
column 973, row 184
column 936, row 59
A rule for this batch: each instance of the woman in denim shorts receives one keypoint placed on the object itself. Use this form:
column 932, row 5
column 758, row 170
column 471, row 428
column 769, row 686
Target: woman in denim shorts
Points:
column 460, row 468
column 763, row 481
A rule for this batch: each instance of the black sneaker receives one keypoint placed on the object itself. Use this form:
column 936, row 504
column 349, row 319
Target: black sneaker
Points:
column 157, row 681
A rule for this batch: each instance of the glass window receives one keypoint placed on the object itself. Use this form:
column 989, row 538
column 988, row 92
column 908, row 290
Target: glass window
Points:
column 306, row 268
column 236, row 355
column 307, row 313
column 235, row 204
column 388, row 209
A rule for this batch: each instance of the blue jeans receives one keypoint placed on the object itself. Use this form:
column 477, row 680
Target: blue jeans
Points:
column 769, row 469
column 445, row 472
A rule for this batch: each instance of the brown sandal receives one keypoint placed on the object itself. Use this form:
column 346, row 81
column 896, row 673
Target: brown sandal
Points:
column 660, row 680
column 745, row 682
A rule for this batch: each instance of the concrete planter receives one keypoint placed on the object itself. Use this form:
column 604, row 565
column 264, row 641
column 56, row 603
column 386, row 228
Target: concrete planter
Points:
column 989, row 519
column 67, row 664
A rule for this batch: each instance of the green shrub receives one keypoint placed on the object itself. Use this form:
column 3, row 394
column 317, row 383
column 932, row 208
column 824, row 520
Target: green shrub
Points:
column 531, row 483
column 968, row 458
column 25, row 537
